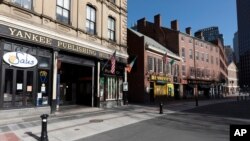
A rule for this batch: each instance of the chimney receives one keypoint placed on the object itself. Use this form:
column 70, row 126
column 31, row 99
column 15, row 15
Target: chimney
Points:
column 157, row 20
column 188, row 30
column 174, row 25
column 199, row 35
column 141, row 24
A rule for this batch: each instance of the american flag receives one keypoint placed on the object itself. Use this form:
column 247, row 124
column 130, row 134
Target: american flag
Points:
column 113, row 62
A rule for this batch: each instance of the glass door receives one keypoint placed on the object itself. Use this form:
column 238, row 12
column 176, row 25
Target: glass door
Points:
column 18, row 88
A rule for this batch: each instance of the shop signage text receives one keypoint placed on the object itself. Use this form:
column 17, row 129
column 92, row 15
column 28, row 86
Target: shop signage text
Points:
column 30, row 36
column 157, row 78
column 40, row 39
column 20, row 59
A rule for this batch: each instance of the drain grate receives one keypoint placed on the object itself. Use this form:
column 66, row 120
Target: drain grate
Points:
column 95, row 120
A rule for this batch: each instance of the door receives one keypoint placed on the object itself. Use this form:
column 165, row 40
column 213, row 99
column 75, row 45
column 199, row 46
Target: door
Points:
column 18, row 89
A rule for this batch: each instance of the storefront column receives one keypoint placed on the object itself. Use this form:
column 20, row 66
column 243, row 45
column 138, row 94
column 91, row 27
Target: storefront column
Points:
column 93, row 78
column 98, row 85
column 54, row 86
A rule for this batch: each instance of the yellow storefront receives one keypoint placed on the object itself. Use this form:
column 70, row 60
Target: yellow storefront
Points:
column 162, row 86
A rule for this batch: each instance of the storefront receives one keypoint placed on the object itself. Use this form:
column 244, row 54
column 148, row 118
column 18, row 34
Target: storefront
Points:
column 41, row 70
column 162, row 87
column 111, row 86
column 25, row 75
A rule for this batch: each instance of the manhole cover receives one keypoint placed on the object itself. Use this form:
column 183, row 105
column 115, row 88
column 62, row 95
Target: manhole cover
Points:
column 77, row 129
column 96, row 120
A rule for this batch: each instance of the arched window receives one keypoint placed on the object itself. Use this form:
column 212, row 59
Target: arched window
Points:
column 111, row 28
column 91, row 20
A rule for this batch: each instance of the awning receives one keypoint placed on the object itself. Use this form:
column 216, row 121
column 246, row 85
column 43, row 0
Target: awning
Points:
column 161, row 82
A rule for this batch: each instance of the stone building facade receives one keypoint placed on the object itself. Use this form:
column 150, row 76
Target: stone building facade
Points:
column 69, row 44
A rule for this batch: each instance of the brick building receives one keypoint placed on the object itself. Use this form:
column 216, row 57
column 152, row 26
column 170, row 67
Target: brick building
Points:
column 204, row 63
column 153, row 77
column 55, row 53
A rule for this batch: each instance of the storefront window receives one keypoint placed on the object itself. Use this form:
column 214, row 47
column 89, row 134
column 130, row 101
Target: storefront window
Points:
column 101, row 94
column 43, row 62
column 120, row 88
column 8, row 93
column 111, row 88
column 43, row 86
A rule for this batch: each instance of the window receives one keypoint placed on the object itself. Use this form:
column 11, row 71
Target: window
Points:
column 23, row 3
column 182, row 38
column 190, row 40
column 190, row 53
column 207, row 58
column 120, row 88
column 63, row 11
column 183, row 54
column 168, row 68
column 202, row 56
column 160, row 66
column 217, row 62
column 91, row 20
column 212, row 59
column 183, row 70
column 113, row 1
column 197, row 55
column 150, row 64
column 111, row 88
column 111, row 28
column 192, row 71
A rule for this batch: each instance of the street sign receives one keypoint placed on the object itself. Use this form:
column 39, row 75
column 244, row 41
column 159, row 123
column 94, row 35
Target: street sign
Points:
column 125, row 86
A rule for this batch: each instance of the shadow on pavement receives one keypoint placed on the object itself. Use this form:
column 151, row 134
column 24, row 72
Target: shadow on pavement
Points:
column 33, row 135
column 234, row 109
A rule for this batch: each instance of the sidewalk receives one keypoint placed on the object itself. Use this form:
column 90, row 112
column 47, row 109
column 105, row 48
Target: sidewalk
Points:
column 79, row 123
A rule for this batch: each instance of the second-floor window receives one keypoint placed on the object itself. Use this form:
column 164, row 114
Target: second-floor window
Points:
column 111, row 28
column 150, row 64
column 63, row 11
column 91, row 20
column 160, row 66
column 23, row 3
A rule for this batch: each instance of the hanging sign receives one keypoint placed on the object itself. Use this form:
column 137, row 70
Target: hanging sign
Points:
column 20, row 59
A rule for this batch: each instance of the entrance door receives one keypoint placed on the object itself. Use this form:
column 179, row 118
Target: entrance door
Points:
column 18, row 87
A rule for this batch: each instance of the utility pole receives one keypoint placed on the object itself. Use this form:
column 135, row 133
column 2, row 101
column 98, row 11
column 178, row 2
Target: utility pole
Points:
column 195, row 76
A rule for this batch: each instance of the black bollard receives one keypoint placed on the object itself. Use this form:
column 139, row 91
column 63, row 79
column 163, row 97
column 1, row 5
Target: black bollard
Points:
column 161, row 108
column 44, row 134
column 196, row 101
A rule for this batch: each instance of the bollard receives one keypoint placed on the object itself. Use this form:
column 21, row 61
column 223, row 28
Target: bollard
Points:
column 44, row 134
column 238, row 99
column 196, row 101
column 161, row 108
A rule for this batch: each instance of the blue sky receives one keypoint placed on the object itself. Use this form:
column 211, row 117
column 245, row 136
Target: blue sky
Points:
column 197, row 14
